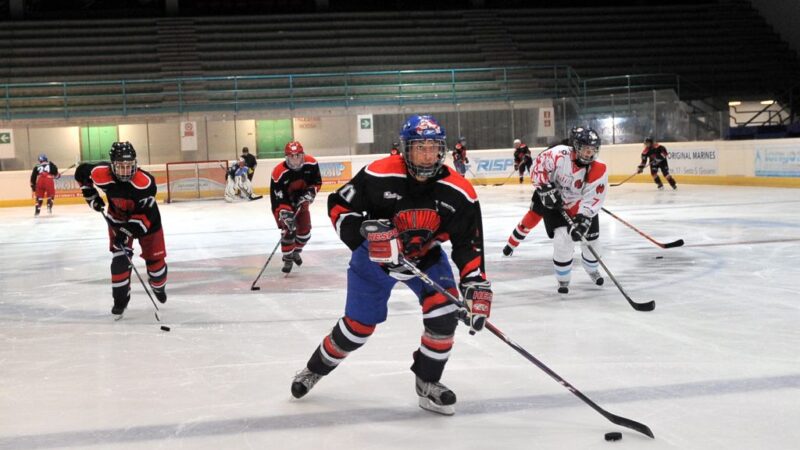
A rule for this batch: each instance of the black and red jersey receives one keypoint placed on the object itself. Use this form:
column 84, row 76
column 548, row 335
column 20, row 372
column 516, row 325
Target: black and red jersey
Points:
column 131, row 202
column 443, row 208
column 657, row 154
column 287, row 185
column 522, row 154
column 460, row 153
column 46, row 169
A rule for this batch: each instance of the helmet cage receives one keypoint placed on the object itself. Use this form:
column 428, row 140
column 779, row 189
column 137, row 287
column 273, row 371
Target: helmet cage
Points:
column 424, row 171
column 123, row 160
column 586, row 143
column 427, row 129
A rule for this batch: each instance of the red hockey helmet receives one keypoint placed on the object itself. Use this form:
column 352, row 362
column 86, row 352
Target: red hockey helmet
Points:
column 294, row 155
column 293, row 148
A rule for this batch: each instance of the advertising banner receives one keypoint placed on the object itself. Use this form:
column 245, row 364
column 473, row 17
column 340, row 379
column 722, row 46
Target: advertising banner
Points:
column 777, row 161
column 699, row 161
column 189, row 136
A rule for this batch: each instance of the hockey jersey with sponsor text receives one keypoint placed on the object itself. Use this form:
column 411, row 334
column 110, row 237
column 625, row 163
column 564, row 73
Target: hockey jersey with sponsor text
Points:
column 582, row 188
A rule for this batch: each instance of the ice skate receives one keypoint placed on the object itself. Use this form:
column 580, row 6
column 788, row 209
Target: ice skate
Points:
column 563, row 287
column 507, row 250
column 436, row 397
column 161, row 294
column 37, row 211
column 288, row 261
column 303, row 382
column 50, row 209
column 297, row 259
column 661, row 187
column 597, row 278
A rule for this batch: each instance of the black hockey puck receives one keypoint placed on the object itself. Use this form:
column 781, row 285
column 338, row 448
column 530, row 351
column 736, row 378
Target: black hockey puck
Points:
column 659, row 257
column 613, row 436
column 164, row 327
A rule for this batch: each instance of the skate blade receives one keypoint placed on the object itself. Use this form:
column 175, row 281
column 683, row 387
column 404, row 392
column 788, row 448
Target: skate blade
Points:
column 445, row 410
column 119, row 317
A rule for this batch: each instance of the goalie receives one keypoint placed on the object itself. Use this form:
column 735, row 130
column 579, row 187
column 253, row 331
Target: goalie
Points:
column 238, row 183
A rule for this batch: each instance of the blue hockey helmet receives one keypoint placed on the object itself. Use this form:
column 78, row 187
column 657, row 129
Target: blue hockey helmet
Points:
column 123, row 160
column 423, row 128
column 586, row 143
column 42, row 157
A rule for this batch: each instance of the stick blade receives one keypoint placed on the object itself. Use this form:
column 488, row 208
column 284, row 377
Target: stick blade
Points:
column 647, row 306
column 255, row 288
column 674, row 244
column 632, row 424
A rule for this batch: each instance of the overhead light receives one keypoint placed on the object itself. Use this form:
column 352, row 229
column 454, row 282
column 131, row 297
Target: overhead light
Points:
column 767, row 102
column 734, row 103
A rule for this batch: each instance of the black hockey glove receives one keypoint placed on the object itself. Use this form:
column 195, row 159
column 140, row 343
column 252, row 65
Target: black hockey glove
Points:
column 309, row 196
column 580, row 226
column 549, row 195
column 640, row 168
column 123, row 234
column 95, row 202
column 478, row 300
column 384, row 243
column 286, row 220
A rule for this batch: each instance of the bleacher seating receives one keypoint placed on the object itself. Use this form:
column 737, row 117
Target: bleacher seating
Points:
column 724, row 48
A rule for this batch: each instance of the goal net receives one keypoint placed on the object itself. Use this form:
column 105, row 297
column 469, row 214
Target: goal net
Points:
column 192, row 180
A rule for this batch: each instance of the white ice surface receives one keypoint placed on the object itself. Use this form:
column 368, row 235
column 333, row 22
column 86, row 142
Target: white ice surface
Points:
column 715, row 366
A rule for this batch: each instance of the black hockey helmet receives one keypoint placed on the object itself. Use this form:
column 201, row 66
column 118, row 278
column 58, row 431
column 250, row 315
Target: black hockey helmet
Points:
column 123, row 160
column 586, row 143
column 648, row 141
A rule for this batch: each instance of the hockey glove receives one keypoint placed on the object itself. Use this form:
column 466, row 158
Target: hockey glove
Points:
column 580, row 226
column 96, row 203
column 640, row 168
column 309, row 196
column 286, row 220
column 123, row 234
column 382, row 237
column 478, row 299
column 549, row 195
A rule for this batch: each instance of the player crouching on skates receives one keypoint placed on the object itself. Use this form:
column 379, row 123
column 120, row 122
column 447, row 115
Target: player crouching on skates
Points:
column 572, row 180
column 239, row 183
column 294, row 185
column 132, row 214
column 407, row 207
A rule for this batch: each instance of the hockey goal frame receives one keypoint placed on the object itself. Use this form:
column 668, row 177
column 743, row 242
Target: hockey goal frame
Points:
column 196, row 180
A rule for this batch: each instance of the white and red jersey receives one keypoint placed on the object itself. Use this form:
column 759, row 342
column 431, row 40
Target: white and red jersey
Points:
column 582, row 188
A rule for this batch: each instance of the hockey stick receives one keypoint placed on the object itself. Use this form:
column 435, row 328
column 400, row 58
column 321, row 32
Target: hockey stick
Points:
column 623, row 181
column 647, row 306
column 507, row 178
column 136, row 271
column 253, row 286
column 475, row 177
column 618, row 420
column 672, row 244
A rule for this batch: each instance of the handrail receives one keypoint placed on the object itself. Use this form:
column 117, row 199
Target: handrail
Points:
column 193, row 94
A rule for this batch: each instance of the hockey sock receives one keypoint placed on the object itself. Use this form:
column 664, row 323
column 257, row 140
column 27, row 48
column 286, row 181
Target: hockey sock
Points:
column 347, row 336
column 440, row 321
column 528, row 222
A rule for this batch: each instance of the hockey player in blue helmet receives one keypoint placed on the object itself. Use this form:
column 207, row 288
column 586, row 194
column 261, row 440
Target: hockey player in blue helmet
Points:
column 407, row 206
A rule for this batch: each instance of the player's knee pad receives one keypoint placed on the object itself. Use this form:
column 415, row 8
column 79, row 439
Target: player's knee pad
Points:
column 563, row 245
column 120, row 264
column 443, row 325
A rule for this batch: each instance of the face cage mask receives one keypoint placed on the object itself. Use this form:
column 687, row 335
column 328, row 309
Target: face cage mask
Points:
column 581, row 159
column 293, row 166
column 417, row 170
column 123, row 170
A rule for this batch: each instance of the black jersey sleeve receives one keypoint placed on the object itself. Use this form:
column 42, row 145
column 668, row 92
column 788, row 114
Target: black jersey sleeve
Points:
column 83, row 176
column 466, row 237
column 346, row 208
column 34, row 175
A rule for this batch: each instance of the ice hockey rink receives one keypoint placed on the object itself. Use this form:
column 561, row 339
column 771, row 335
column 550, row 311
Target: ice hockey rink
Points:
column 715, row 366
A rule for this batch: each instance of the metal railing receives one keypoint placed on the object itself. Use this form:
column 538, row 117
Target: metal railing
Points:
column 237, row 93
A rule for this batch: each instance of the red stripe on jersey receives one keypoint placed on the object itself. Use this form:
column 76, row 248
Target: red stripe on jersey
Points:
column 358, row 327
column 441, row 344
column 101, row 175
column 437, row 299
column 308, row 159
column 336, row 211
column 117, row 277
column 330, row 349
column 142, row 218
column 278, row 171
column 596, row 171
column 388, row 166
column 460, row 182
column 140, row 181
column 470, row 266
